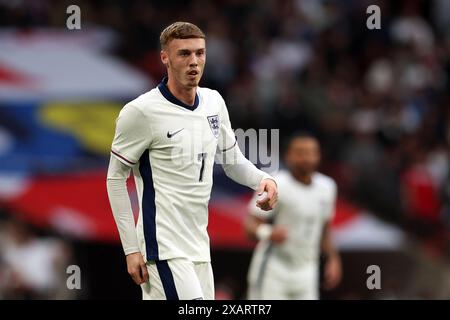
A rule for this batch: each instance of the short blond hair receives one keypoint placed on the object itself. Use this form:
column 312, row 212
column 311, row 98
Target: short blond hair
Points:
column 180, row 30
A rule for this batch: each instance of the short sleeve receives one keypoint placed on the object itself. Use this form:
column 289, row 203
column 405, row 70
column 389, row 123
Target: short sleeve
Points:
column 331, row 202
column 132, row 136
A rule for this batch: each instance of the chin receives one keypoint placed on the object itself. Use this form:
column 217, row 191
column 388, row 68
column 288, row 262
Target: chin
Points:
column 192, row 84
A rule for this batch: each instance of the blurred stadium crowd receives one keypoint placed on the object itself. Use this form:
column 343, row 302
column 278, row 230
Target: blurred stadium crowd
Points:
column 379, row 100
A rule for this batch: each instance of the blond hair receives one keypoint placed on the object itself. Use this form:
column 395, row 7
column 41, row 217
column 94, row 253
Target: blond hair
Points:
column 180, row 30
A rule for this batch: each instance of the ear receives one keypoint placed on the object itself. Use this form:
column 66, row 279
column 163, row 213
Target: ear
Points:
column 164, row 58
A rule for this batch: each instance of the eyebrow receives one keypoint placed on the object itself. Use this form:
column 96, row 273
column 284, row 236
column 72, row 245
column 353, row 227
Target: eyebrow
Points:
column 189, row 51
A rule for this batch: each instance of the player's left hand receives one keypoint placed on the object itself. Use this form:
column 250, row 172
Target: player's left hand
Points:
column 332, row 272
column 270, row 200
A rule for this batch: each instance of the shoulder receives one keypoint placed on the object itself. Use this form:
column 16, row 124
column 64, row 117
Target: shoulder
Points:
column 137, row 112
column 146, row 100
column 325, row 181
column 210, row 94
column 141, row 106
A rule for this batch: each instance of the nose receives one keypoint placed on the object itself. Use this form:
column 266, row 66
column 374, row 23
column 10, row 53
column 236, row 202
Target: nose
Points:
column 193, row 62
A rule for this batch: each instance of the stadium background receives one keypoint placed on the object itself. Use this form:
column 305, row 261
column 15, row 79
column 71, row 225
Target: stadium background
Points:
column 379, row 101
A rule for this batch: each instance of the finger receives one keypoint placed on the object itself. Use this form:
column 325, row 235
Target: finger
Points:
column 133, row 276
column 273, row 199
column 144, row 272
column 267, row 203
column 137, row 276
column 260, row 188
column 263, row 201
column 263, row 204
column 274, row 203
column 270, row 191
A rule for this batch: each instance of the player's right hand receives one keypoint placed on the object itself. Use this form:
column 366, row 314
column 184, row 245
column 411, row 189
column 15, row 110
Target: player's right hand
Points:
column 279, row 234
column 137, row 268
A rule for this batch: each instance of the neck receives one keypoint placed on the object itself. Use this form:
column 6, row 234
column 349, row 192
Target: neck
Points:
column 303, row 177
column 185, row 95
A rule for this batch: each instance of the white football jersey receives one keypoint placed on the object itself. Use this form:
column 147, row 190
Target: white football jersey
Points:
column 171, row 148
column 303, row 210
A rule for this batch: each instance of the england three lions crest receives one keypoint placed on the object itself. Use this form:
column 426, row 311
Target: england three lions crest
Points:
column 214, row 125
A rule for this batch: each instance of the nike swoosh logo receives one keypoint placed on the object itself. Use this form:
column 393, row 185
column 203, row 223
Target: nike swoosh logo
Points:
column 171, row 134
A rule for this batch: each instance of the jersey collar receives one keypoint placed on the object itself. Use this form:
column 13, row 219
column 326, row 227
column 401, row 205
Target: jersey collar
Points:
column 169, row 96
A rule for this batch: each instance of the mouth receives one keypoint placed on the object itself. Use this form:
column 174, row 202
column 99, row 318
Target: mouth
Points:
column 193, row 73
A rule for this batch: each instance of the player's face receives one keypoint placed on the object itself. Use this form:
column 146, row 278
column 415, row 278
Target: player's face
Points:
column 185, row 60
column 303, row 155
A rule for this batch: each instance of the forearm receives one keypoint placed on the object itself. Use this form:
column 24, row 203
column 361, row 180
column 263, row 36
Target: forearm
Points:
column 121, row 205
column 330, row 251
column 327, row 246
column 251, row 226
column 333, row 264
column 241, row 170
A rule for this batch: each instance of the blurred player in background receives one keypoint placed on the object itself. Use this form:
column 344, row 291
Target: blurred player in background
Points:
column 170, row 137
column 32, row 266
column 285, row 264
